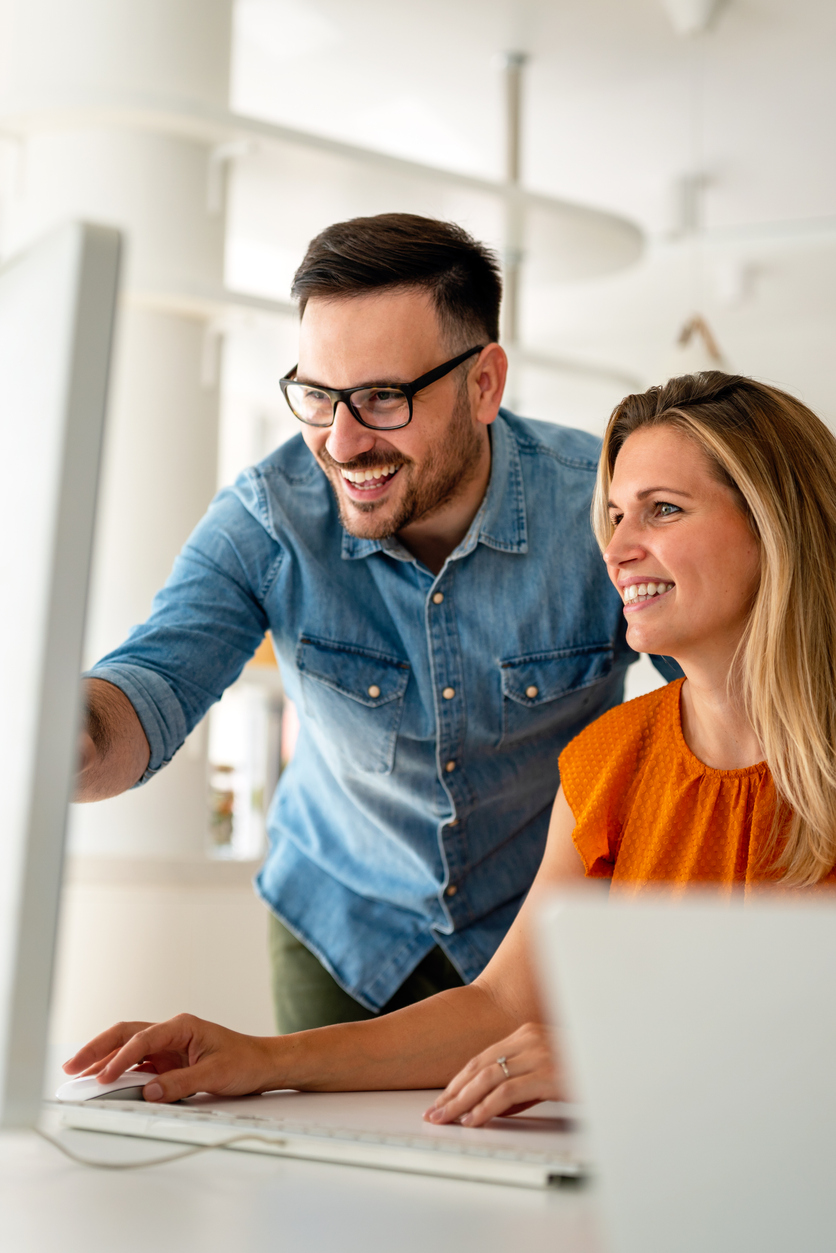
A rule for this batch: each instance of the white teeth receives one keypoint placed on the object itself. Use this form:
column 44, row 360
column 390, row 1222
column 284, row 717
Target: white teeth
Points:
column 365, row 476
column 635, row 591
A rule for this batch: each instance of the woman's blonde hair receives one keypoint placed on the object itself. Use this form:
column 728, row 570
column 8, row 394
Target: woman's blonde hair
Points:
column 780, row 461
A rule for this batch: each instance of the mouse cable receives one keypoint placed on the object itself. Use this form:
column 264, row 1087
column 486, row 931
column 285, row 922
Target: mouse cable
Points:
column 153, row 1161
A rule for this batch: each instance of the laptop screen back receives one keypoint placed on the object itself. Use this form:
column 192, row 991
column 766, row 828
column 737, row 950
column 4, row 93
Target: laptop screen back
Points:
column 703, row 1040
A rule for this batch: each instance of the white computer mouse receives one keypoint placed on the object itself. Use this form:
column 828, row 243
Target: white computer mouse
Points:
column 128, row 1087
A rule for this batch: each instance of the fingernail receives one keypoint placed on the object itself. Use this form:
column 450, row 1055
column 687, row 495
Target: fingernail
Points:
column 436, row 1115
column 153, row 1092
column 466, row 1120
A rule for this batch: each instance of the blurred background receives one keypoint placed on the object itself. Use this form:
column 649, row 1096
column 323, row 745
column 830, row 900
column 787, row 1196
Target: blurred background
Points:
column 656, row 175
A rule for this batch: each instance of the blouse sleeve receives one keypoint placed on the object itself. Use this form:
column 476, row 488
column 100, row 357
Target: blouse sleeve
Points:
column 597, row 770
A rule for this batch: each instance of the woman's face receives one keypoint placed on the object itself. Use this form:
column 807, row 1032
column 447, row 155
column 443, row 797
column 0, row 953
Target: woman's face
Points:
column 682, row 555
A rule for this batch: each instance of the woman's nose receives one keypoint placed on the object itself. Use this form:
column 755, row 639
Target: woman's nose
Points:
column 625, row 545
column 347, row 438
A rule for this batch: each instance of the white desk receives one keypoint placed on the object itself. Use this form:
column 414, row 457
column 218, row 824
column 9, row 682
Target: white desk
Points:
column 228, row 1202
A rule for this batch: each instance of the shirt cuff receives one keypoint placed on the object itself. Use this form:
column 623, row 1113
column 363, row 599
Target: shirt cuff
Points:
column 156, row 706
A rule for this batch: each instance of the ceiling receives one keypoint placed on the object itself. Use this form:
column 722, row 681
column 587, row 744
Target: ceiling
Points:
column 618, row 111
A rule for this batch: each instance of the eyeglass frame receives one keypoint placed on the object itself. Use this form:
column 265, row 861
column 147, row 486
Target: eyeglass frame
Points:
column 343, row 395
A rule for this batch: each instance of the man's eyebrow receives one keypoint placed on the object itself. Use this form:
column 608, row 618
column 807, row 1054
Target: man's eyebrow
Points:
column 652, row 491
column 389, row 381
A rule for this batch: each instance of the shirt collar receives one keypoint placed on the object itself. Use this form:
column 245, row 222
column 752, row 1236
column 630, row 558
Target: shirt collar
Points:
column 500, row 521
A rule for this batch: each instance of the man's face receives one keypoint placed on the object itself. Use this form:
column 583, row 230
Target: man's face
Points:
column 391, row 337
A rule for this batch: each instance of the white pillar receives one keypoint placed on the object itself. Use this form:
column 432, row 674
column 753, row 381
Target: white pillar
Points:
column 160, row 457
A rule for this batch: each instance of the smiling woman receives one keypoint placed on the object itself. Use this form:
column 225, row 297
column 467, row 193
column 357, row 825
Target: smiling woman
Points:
column 716, row 513
column 747, row 524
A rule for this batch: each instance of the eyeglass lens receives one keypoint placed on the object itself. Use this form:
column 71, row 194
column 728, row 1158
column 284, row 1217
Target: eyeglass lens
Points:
column 378, row 406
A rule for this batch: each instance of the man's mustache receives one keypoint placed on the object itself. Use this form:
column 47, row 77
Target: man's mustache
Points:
column 366, row 461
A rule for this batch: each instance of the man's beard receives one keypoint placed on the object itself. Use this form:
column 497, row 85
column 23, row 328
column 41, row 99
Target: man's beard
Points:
column 445, row 472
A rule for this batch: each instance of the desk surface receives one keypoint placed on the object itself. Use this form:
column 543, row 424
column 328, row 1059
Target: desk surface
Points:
column 223, row 1200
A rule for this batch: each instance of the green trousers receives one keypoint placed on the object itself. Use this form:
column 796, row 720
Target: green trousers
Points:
column 305, row 995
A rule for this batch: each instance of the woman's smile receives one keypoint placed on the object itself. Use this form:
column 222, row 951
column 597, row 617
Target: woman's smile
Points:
column 640, row 593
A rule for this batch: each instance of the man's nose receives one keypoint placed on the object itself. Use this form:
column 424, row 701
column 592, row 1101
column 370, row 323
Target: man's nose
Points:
column 347, row 438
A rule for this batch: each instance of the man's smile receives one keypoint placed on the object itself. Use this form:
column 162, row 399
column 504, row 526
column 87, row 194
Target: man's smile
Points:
column 370, row 477
column 367, row 485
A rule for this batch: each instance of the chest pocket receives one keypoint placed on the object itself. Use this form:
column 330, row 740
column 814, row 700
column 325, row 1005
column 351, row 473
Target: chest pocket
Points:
column 355, row 698
column 546, row 690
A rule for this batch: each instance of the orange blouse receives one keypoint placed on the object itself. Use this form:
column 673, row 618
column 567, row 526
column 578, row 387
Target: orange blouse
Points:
column 647, row 810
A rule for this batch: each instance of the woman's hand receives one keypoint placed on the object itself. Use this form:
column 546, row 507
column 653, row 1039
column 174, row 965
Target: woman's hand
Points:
column 481, row 1090
column 188, row 1054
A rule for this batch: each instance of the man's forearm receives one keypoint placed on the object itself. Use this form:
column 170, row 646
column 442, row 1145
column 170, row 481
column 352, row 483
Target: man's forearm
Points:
column 114, row 751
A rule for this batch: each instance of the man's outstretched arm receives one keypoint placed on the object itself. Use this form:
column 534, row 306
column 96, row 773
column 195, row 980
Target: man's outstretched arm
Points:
column 113, row 750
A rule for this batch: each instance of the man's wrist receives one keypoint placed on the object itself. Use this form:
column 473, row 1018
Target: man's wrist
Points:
column 122, row 751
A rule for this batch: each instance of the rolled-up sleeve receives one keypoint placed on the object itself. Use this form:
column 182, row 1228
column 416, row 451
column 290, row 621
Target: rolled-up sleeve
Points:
column 205, row 623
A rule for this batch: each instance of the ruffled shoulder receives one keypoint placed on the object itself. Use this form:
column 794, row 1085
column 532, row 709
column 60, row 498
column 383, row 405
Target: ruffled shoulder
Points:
column 599, row 766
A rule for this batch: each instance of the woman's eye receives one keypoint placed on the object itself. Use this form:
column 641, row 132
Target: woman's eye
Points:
column 665, row 510
column 615, row 518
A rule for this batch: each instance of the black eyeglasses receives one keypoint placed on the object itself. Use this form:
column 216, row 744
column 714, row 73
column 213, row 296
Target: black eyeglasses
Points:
column 380, row 406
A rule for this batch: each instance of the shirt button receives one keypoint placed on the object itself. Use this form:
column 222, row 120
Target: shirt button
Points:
column 532, row 691
column 438, row 597
column 450, row 767
column 449, row 693
column 451, row 890
column 374, row 691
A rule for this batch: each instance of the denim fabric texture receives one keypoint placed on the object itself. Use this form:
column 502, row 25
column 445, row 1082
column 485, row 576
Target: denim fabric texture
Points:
column 406, row 819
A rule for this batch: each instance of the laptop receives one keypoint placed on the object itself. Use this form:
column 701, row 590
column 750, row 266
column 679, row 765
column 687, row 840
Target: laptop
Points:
column 701, row 1040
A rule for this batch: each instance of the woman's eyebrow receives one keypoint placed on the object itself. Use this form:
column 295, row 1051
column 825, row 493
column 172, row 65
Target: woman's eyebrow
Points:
column 670, row 491
column 652, row 491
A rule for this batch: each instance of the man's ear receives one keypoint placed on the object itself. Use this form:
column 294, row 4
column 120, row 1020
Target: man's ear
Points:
column 487, row 383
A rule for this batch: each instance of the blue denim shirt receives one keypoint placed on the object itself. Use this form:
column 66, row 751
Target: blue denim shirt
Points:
column 432, row 708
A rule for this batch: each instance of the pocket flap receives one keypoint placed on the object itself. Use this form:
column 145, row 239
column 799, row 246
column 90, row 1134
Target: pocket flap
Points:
column 543, row 677
column 364, row 674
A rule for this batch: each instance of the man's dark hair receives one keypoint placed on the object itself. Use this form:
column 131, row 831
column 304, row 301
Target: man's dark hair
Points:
column 405, row 250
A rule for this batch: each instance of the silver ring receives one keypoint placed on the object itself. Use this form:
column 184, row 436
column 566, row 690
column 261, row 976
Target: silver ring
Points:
column 503, row 1062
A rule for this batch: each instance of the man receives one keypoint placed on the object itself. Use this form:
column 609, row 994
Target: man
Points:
column 441, row 615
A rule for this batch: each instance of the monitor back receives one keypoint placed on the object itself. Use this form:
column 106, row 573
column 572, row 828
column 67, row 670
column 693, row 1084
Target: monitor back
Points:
column 57, row 303
column 702, row 1039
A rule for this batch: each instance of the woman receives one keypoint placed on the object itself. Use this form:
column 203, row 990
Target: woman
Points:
column 716, row 511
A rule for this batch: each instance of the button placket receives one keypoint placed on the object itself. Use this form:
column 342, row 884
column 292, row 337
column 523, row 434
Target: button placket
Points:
column 448, row 684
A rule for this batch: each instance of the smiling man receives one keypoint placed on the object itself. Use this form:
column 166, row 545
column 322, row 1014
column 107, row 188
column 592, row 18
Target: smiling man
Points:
column 440, row 611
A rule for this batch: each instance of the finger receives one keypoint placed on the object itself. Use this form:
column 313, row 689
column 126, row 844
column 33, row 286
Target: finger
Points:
column 97, row 1067
column 102, row 1046
column 214, row 1073
column 469, row 1096
column 525, row 1090
column 464, row 1076
column 175, row 1085
column 160, row 1037
column 482, row 1061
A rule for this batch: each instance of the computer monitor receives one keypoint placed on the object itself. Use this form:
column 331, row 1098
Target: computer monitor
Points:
column 57, row 305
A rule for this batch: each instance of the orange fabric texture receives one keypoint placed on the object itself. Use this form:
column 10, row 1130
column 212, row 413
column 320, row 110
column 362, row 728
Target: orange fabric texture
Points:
column 648, row 811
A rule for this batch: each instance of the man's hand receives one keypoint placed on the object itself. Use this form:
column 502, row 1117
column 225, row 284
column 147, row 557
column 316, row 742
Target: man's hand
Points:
column 113, row 752
column 482, row 1091
column 188, row 1054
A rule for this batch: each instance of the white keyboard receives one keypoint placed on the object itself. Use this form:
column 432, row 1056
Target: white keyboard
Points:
column 383, row 1130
